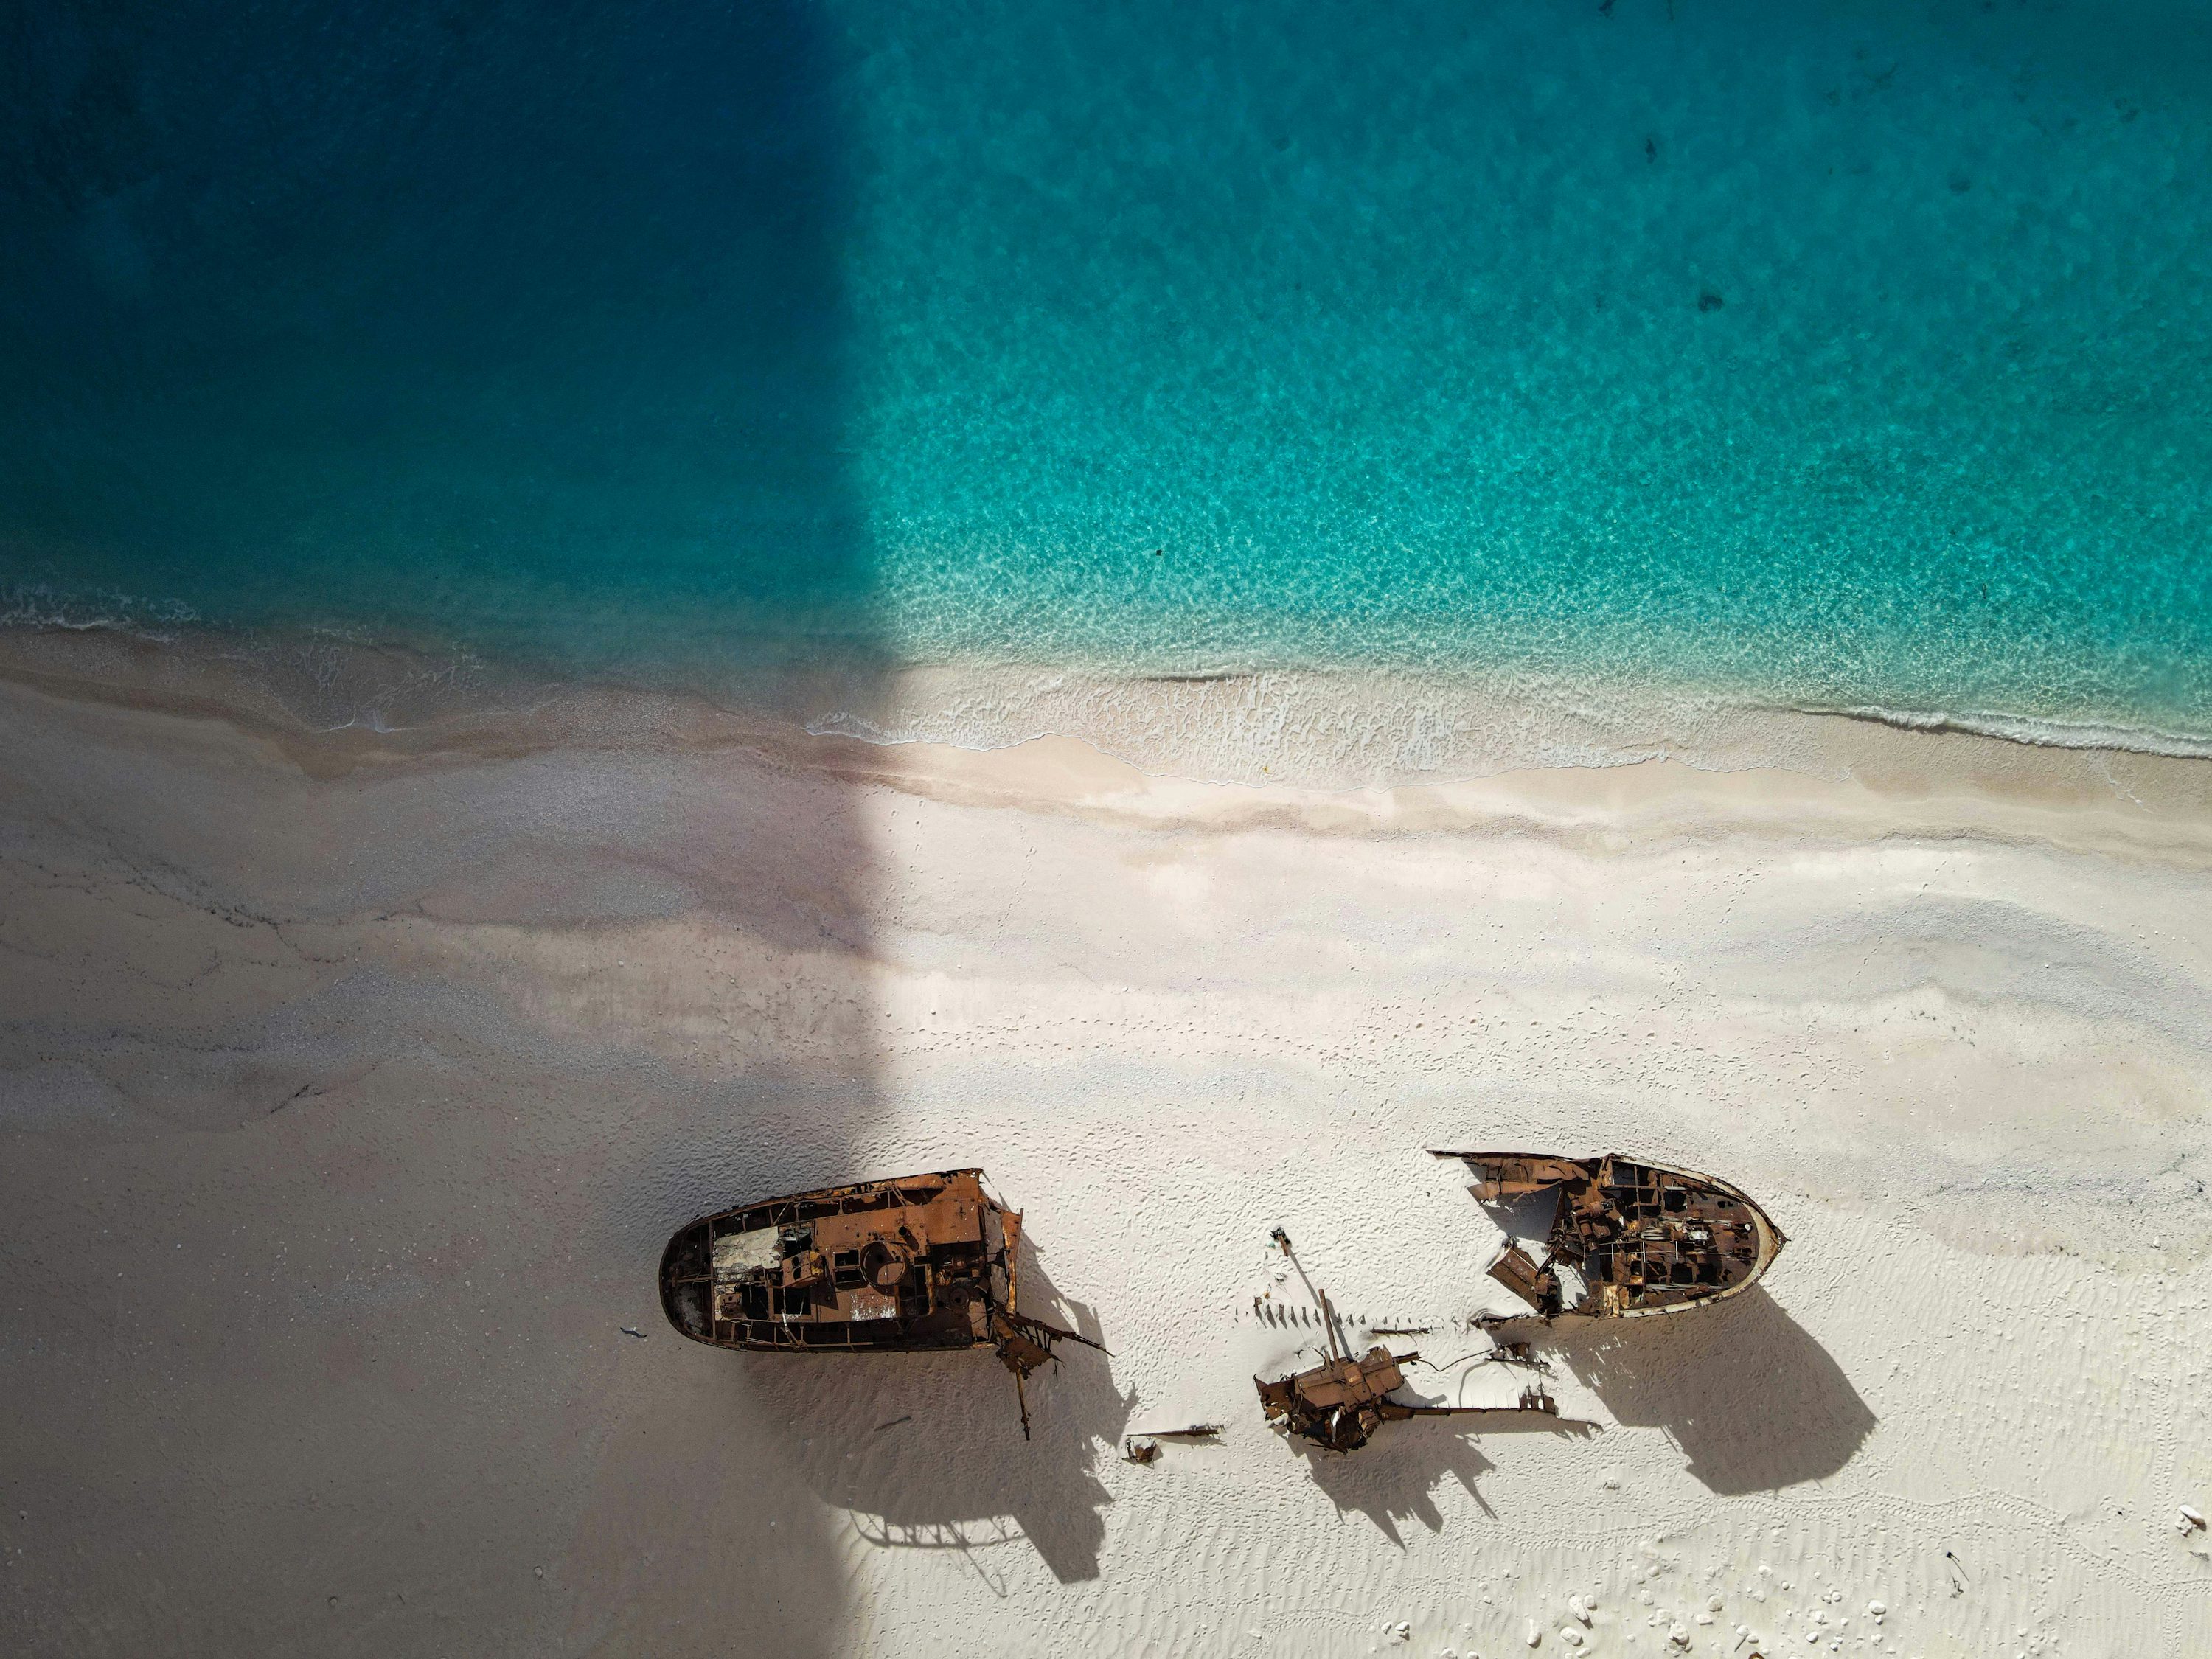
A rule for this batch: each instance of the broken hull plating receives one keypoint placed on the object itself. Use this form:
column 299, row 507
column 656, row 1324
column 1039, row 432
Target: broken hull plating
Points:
column 1631, row 1238
column 1340, row 1405
column 923, row 1262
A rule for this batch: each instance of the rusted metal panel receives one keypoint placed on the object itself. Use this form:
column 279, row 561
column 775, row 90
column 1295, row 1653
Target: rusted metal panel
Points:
column 1517, row 1271
column 1511, row 1175
column 1338, row 1404
column 1629, row 1237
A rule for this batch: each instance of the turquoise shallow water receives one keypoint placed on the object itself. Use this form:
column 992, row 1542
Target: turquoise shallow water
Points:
column 1846, row 353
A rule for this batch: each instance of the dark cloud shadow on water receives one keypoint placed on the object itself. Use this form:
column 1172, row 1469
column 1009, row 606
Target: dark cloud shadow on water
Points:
column 1754, row 1401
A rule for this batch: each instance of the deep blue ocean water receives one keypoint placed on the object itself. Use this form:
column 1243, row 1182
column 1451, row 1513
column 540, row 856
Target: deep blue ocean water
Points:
column 1841, row 353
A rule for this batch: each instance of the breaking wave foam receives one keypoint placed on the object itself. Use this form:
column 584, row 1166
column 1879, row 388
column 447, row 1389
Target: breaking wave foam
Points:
column 2036, row 732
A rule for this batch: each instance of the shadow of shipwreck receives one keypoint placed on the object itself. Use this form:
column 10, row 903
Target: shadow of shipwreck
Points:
column 1753, row 1402
column 1394, row 1478
column 925, row 1451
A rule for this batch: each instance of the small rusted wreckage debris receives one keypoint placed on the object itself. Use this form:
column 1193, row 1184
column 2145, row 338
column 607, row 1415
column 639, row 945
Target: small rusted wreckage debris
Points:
column 920, row 1263
column 1340, row 1404
column 1627, row 1238
column 1144, row 1446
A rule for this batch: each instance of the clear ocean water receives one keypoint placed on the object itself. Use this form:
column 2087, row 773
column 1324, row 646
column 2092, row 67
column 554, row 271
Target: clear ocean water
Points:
column 1827, row 353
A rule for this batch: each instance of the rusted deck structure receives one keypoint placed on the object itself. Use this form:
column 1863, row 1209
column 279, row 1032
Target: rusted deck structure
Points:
column 1628, row 1238
column 1340, row 1404
column 920, row 1263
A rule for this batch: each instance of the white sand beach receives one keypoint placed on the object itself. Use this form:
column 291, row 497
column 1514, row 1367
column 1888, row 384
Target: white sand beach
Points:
column 351, row 1082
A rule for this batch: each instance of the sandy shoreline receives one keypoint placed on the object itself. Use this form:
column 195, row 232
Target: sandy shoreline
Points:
column 352, row 1080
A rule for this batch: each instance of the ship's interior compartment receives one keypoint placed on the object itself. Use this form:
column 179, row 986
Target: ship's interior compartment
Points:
column 1624, row 1237
column 916, row 1262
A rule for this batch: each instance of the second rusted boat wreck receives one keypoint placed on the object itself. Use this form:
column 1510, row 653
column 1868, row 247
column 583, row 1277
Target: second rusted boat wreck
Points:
column 1627, row 1237
column 920, row 1263
column 1340, row 1404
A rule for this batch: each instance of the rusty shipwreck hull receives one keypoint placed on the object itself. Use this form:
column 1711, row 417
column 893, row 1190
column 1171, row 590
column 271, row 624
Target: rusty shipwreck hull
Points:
column 1629, row 1237
column 920, row 1263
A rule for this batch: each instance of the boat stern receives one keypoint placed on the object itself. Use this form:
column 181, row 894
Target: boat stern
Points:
column 686, row 1286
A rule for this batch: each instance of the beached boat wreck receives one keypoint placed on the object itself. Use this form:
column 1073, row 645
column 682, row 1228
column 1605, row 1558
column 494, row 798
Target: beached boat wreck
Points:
column 1626, row 1238
column 921, row 1263
column 1340, row 1404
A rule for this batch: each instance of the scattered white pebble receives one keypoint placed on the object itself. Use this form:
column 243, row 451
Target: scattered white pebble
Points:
column 1679, row 1636
column 1712, row 1604
column 1875, row 1609
column 2192, row 1520
column 1536, row 1637
column 1704, row 1619
column 1571, row 1636
column 1580, row 1608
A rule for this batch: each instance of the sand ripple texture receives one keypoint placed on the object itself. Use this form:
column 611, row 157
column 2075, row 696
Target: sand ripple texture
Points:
column 350, row 1085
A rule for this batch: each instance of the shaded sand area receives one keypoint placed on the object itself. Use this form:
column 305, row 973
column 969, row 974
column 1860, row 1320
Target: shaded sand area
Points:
column 350, row 1083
